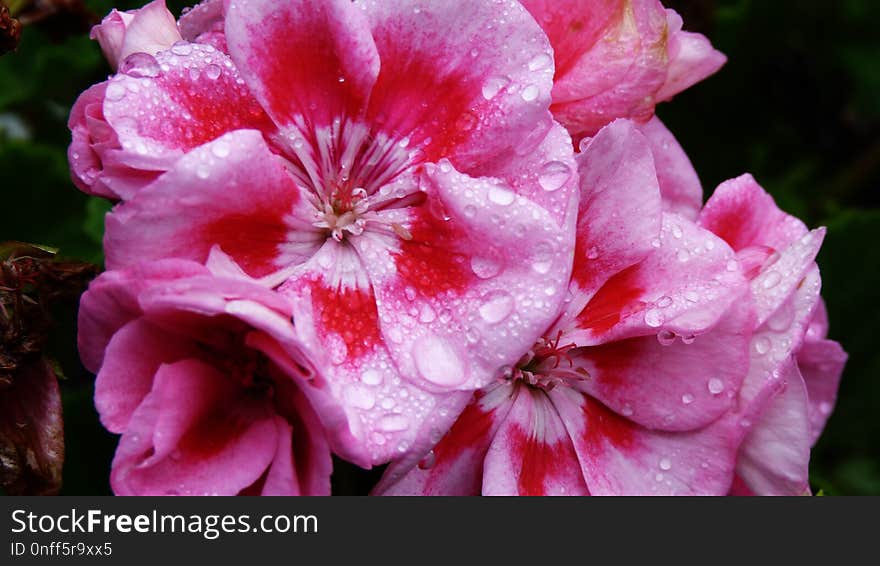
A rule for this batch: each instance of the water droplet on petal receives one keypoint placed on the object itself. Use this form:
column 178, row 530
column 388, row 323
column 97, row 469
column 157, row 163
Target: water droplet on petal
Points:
column 485, row 268
column 554, row 175
column 438, row 362
column 540, row 62
column 716, row 386
column 500, row 195
column 654, row 318
column 497, row 307
column 665, row 464
column 493, row 86
column 213, row 72
column 371, row 377
column 687, row 399
column 140, row 65
column 181, row 48
column 394, row 423
column 666, row 337
column 359, row 397
column 530, row 93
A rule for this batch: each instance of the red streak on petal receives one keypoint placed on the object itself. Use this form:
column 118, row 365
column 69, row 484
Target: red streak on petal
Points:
column 735, row 225
column 540, row 461
column 349, row 313
column 419, row 97
column 604, row 428
column 429, row 261
column 302, row 66
column 612, row 362
column 216, row 107
column 618, row 298
column 470, row 431
column 252, row 239
column 212, row 433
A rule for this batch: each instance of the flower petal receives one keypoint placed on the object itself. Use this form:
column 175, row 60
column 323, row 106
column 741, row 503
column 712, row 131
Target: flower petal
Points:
column 480, row 279
column 194, row 434
column 232, row 192
column 463, row 80
column 618, row 457
column 306, row 62
column 774, row 457
column 691, row 58
column 161, row 107
column 532, row 453
column 455, row 465
column 680, row 187
column 619, row 212
column 683, row 287
column 676, row 385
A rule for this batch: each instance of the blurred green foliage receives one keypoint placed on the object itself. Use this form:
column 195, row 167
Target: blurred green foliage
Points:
column 798, row 105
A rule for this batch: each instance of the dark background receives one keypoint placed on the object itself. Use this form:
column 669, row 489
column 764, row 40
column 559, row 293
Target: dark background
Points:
column 797, row 105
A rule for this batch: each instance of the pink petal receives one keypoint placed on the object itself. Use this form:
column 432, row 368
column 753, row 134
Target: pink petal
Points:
column 774, row 457
column 232, row 192
column 204, row 23
column 619, row 212
column 111, row 302
column 488, row 260
column 821, row 365
column 455, row 465
column 193, row 95
column 532, row 453
column 147, row 30
column 194, row 434
column 676, row 385
column 680, row 187
column 337, row 323
column 691, row 59
column 683, row 287
column 618, row 457
column 616, row 76
column 460, row 79
column 741, row 213
column 131, row 359
column 294, row 54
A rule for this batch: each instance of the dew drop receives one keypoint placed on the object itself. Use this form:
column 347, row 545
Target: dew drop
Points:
column 554, row 175
column 493, row 86
column 687, row 399
column 497, row 307
column 485, row 268
column 540, row 62
column 666, row 337
column 213, row 72
column 371, row 377
column 501, row 196
column 530, row 93
column 771, row 280
column 181, row 48
column 140, row 65
column 762, row 345
column 438, row 362
column 654, row 318
column 716, row 386
column 394, row 423
column 665, row 464
column 359, row 397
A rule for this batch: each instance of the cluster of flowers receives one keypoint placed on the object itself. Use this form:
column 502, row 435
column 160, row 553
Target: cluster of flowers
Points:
column 451, row 236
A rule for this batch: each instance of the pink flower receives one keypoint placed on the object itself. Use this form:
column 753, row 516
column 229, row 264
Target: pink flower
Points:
column 618, row 59
column 147, row 30
column 794, row 370
column 632, row 390
column 406, row 189
column 202, row 377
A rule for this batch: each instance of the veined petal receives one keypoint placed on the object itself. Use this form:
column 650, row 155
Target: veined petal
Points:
column 306, row 62
column 532, row 453
column 161, row 107
column 619, row 457
column 232, row 192
column 680, row 187
column 464, row 80
column 455, row 465
column 194, row 434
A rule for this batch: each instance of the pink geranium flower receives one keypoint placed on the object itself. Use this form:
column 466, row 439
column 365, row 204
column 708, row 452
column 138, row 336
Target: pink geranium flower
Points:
column 618, row 59
column 204, row 379
column 393, row 169
column 794, row 370
column 147, row 30
column 632, row 388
